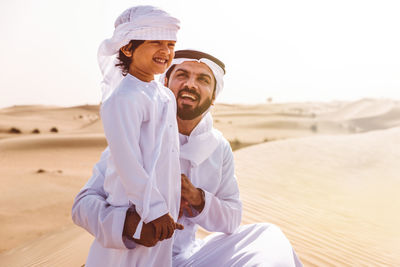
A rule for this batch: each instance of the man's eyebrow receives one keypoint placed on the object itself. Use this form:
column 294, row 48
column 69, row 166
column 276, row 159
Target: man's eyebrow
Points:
column 201, row 74
column 183, row 70
column 205, row 75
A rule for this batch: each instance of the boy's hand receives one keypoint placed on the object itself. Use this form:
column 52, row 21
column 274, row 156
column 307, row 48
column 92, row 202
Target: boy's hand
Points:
column 147, row 236
column 165, row 226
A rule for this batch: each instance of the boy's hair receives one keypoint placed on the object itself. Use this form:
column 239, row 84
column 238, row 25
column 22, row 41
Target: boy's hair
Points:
column 124, row 61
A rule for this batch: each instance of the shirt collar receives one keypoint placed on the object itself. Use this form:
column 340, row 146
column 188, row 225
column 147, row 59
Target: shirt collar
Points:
column 153, row 86
column 201, row 143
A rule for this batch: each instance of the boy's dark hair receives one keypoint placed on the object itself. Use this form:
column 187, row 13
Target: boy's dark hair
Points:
column 124, row 61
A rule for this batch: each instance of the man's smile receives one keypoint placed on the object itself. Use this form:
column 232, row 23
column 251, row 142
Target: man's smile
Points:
column 188, row 96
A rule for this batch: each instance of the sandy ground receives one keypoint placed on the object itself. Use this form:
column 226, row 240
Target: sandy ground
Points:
column 326, row 173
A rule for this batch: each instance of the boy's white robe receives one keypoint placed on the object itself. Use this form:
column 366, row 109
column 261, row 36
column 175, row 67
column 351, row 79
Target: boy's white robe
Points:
column 207, row 159
column 139, row 120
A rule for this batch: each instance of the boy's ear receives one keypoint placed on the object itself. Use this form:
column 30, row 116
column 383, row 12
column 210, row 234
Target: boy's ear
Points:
column 127, row 50
column 166, row 82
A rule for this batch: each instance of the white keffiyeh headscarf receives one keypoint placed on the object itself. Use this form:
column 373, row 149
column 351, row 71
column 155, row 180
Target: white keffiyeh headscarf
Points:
column 136, row 23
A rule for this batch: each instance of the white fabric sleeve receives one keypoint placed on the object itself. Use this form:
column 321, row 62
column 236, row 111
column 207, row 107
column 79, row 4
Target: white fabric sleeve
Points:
column 222, row 212
column 92, row 212
column 122, row 115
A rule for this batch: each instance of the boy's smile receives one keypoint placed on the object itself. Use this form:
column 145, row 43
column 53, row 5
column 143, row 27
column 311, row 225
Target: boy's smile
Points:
column 160, row 60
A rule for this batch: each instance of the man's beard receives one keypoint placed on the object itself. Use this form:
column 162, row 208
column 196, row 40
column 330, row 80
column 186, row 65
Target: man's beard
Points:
column 189, row 113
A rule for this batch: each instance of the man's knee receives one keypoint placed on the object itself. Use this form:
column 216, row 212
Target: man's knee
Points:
column 260, row 227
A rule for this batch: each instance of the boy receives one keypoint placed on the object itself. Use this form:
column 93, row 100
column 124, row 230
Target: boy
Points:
column 139, row 119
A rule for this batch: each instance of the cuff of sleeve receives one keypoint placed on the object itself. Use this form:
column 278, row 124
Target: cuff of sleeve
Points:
column 157, row 210
column 129, row 243
column 118, row 227
column 207, row 205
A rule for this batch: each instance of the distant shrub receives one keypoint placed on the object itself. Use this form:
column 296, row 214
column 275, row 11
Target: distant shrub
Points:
column 314, row 128
column 235, row 144
column 40, row 171
column 35, row 131
column 54, row 130
column 14, row 130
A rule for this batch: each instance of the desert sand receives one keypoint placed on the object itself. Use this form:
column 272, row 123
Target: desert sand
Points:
column 326, row 173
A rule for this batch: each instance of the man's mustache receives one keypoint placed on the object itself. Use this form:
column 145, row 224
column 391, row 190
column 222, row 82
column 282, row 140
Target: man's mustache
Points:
column 190, row 91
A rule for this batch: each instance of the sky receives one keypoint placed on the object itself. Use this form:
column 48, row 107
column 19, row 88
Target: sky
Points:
column 287, row 50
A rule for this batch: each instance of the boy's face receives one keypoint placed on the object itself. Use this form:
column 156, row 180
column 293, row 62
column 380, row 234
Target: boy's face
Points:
column 150, row 58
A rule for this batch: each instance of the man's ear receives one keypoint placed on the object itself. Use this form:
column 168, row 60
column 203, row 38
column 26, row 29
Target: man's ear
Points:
column 213, row 98
column 127, row 50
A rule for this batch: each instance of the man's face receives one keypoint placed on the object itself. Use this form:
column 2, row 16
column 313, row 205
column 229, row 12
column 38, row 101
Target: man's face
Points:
column 193, row 86
column 153, row 57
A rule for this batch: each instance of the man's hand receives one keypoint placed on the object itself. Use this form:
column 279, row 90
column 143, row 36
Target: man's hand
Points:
column 165, row 226
column 194, row 196
column 185, row 206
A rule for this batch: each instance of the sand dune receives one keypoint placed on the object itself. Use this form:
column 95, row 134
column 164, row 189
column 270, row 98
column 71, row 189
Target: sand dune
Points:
column 68, row 247
column 40, row 175
column 333, row 191
column 363, row 108
column 388, row 119
column 366, row 115
column 54, row 141
column 269, row 122
column 334, row 196
column 43, row 118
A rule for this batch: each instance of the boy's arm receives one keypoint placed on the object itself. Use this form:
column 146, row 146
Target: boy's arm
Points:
column 123, row 115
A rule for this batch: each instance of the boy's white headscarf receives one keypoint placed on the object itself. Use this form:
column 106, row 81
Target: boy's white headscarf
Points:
column 136, row 23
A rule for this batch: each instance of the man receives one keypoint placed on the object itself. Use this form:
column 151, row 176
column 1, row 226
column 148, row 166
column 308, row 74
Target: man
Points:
column 210, row 194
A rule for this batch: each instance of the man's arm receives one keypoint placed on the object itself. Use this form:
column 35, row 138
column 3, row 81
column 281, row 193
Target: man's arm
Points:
column 91, row 211
column 221, row 212
column 113, row 227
